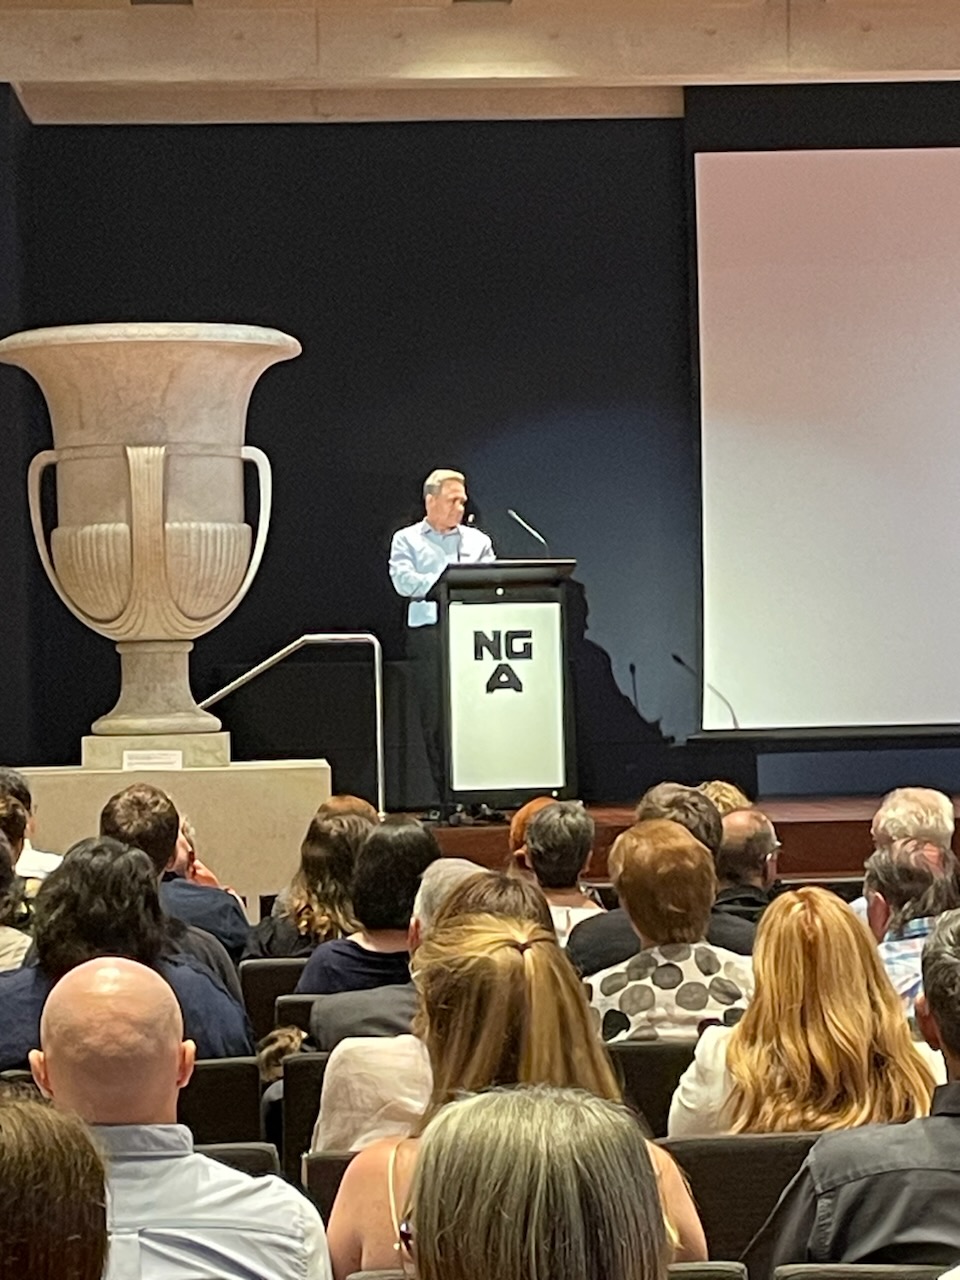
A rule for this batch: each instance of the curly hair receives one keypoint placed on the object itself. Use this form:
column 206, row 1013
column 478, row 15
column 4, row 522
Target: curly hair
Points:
column 319, row 902
column 10, row 890
column 102, row 900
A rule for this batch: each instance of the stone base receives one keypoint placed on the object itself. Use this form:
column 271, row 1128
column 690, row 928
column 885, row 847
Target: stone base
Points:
column 250, row 817
column 184, row 751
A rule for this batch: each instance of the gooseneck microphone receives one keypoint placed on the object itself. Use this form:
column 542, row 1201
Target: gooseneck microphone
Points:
column 529, row 528
column 682, row 662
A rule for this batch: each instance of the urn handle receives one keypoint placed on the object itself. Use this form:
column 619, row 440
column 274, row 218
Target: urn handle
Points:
column 265, row 475
column 35, row 472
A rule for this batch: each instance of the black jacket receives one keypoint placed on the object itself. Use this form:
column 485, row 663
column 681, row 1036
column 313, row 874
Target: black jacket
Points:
column 609, row 939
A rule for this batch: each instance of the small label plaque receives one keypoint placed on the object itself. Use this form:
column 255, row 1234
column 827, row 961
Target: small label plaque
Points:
column 152, row 760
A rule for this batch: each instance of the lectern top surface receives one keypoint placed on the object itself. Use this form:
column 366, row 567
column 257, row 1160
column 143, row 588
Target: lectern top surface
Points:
column 496, row 572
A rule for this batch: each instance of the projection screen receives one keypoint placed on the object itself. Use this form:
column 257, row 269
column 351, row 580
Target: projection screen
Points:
column 829, row 318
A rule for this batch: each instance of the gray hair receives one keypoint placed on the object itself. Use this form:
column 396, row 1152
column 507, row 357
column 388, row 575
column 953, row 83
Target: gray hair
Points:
column 941, row 978
column 913, row 883
column 559, row 838
column 535, row 1183
column 437, row 883
column 438, row 478
column 914, row 813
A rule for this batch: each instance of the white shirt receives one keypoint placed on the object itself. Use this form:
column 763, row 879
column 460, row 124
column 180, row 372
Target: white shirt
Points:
column 565, row 918
column 374, row 1087
column 173, row 1214
column 699, row 1100
column 14, row 945
column 418, row 556
column 664, row 993
column 34, row 864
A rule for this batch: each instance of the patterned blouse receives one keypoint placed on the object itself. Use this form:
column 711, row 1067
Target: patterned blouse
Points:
column 666, row 992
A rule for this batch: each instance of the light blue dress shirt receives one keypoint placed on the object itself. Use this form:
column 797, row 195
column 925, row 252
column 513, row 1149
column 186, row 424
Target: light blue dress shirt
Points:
column 174, row 1214
column 418, row 556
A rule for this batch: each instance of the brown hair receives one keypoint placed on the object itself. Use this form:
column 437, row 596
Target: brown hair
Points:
column 319, row 903
column 10, row 891
column 13, row 820
column 666, row 881
column 496, row 893
column 52, row 1189
column 686, row 805
column 338, row 806
column 824, row 1043
column 518, row 823
column 500, row 1004
column 725, row 796
column 146, row 818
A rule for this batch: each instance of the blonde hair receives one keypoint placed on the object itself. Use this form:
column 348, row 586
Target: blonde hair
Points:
column 534, row 1184
column 665, row 880
column 824, row 1043
column 438, row 478
column 726, row 796
column 500, row 1004
column 914, row 813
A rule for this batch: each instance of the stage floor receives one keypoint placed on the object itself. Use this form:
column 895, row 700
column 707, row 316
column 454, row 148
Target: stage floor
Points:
column 823, row 838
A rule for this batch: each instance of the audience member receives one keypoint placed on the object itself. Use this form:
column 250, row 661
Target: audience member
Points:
column 539, row 1182
column 386, row 876
column 14, row 821
column 388, row 1011
column 907, row 884
column 884, row 1193
column 14, row 942
column 823, row 1043
column 145, row 817
column 113, row 1053
column 517, row 835
column 32, row 864
column 338, row 806
column 102, row 900
column 746, row 865
column 667, row 883
column 559, row 841
column 376, row 1088
column 726, row 796
column 317, row 905
column 53, row 1224
column 499, row 1005
column 609, row 939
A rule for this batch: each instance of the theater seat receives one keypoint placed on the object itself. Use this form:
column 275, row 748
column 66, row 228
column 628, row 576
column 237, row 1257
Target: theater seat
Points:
column 293, row 1011
column 649, row 1072
column 302, row 1085
column 261, row 982
column 679, row 1271
column 221, row 1103
column 323, row 1173
column 249, row 1157
column 736, row 1179
column 858, row 1271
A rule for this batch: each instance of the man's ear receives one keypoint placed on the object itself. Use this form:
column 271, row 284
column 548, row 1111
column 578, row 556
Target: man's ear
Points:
column 188, row 1056
column 878, row 915
column 522, row 862
column 927, row 1023
column 38, row 1066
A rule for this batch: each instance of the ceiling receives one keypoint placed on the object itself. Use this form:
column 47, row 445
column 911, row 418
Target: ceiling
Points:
column 113, row 61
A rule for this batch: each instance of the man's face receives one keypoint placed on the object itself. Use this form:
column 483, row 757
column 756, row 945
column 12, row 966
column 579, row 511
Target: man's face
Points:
column 445, row 509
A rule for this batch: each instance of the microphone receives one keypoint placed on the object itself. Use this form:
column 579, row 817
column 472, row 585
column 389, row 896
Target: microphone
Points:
column 633, row 682
column 681, row 662
column 529, row 528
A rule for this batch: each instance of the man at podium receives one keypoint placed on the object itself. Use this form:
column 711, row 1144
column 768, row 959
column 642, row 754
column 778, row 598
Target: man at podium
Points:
column 418, row 555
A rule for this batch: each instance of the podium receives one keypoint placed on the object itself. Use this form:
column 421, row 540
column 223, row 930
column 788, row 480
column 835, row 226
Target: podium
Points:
column 507, row 697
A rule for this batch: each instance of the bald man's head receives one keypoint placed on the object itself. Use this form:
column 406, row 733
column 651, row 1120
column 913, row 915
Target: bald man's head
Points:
column 748, row 850
column 112, row 1044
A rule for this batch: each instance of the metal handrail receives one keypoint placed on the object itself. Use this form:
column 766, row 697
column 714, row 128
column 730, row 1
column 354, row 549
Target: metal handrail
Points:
column 324, row 638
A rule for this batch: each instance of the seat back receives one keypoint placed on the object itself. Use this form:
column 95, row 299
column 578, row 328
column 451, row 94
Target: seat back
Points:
column 249, row 1157
column 736, row 1179
column 293, row 1011
column 707, row 1271
column 322, row 1176
column 261, row 982
column 649, row 1071
column 857, row 1271
column 221, row 1102
column 302, row 1086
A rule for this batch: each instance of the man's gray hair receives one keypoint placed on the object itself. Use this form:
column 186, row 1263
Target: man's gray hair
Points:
column 914, row 813
column 913, row 883
column 438, row 478
column 558, row 839
column 437, row 883
column 941, row 978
